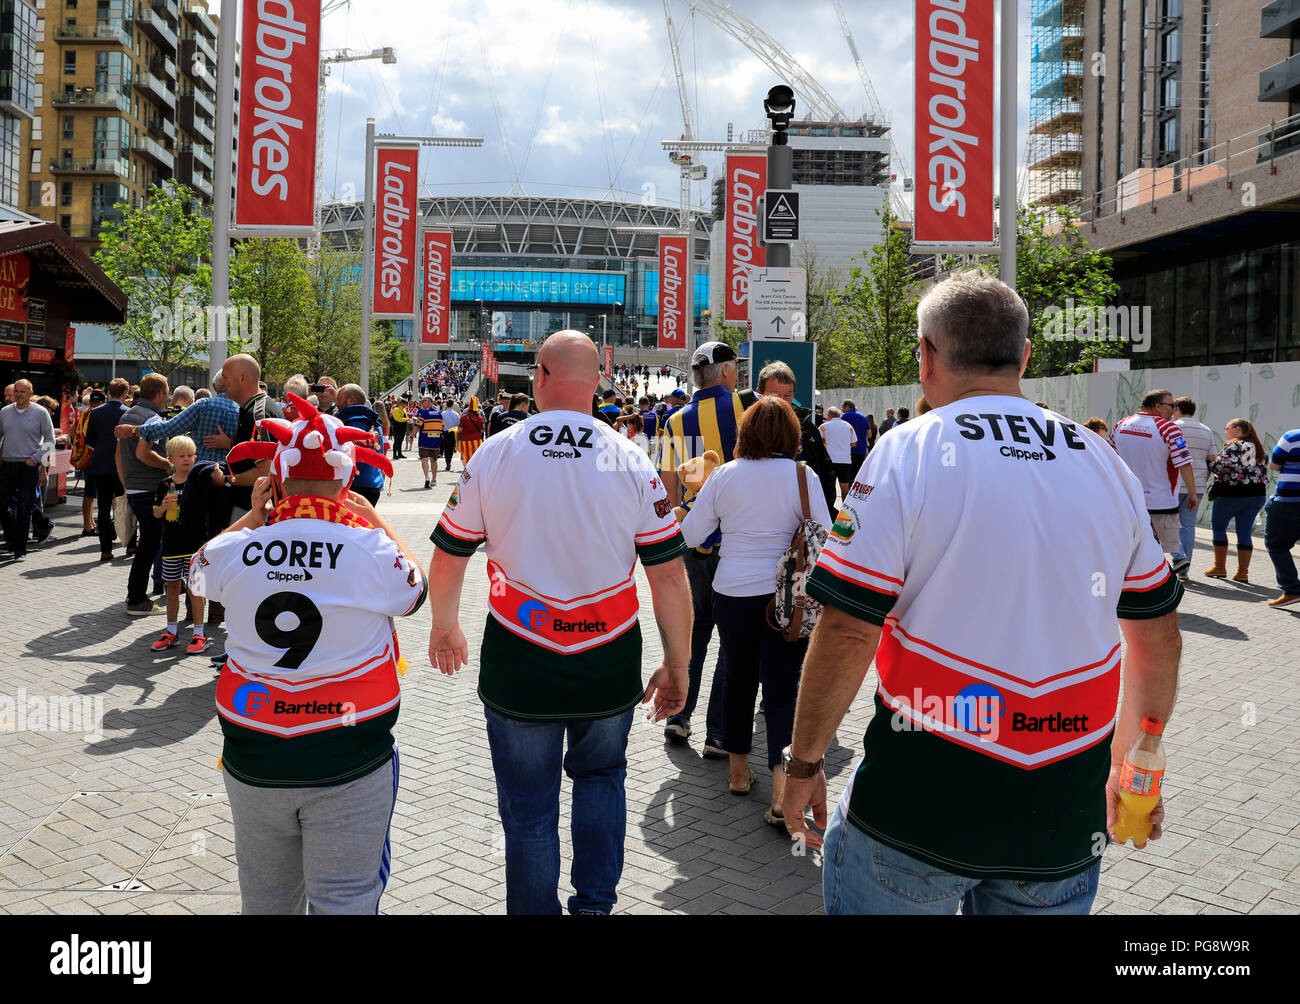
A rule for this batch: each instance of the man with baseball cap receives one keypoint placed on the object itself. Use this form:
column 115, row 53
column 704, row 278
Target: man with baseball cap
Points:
column 708, row 422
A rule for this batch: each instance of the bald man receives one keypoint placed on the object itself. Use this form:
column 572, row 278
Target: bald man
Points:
column 555, row 662
column 28, row 434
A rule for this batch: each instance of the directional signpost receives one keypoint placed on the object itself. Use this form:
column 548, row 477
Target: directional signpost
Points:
column 778, row 303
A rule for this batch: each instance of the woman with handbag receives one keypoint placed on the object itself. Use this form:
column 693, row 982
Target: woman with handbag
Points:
column 759, row 500
column 1240, row 480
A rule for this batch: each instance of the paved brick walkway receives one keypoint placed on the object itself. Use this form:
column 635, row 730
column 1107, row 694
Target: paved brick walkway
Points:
column 137, row 820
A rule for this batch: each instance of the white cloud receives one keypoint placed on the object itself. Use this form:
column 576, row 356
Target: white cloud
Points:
column 589, row 116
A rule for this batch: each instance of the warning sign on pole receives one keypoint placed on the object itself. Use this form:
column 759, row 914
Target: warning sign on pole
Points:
column 780, row 216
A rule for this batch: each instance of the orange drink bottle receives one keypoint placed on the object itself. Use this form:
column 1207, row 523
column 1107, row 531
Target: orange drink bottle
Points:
column 1140, row 781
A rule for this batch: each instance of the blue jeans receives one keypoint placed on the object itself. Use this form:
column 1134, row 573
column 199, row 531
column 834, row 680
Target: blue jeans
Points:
column 1187, row 525
column 1243, row 510
column 1281, row 531
column 864, row 876
column 527, row 758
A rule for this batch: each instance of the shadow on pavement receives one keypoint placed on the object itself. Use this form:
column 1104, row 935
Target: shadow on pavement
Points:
column 183, row 714
column 1204, row 625
column 694, row 822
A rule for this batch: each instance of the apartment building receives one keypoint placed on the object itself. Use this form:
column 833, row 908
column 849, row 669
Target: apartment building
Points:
column 125, row 98
column 17, row 97
column 1191, row 171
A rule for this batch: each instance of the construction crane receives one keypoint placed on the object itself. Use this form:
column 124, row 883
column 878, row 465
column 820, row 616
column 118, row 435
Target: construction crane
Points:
column 899, row 163
column 386, row 55
column 816, row 98
column 687, row 122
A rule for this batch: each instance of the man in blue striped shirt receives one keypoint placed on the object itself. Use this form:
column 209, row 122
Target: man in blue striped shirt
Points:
column 708, row 422
column 209, row 417
column 1282, row 519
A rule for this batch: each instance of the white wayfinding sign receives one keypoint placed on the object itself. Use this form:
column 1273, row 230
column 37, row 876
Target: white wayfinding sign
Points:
column 778, row 304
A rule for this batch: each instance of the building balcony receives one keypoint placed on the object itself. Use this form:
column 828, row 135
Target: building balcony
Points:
column 156, row 27
column 195, row 49
column 203, row 101
column 162, row 130
column 1281, row 81
column 194, row 122
column 202, row 22
column 150, row 150
column 202, row 154
column 1280, row 19
column 161, row 66
column 118, row 165
column 159, row 92
column 116, row 30
column 114, row 98
column 190, row 172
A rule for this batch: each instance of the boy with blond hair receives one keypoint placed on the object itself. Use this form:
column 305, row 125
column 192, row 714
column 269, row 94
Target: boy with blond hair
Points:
column 179, row 543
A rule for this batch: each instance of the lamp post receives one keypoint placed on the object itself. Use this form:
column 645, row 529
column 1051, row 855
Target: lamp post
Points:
column 368, row 224
column 779, row 106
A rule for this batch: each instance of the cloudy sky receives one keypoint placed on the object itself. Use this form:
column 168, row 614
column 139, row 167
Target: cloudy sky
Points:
column 572, row 97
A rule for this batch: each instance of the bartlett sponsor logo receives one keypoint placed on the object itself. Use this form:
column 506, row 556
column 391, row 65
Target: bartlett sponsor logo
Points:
column 977, row 709
column 534, row 616
column 251, row 698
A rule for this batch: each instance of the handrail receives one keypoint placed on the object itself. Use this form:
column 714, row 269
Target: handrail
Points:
column 1220, row 162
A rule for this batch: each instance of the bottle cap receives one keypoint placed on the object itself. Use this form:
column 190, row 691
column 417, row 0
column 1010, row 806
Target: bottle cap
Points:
column 1152, row 726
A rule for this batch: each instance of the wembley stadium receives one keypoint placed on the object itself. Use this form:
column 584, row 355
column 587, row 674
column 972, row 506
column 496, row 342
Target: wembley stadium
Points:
column 525, row 266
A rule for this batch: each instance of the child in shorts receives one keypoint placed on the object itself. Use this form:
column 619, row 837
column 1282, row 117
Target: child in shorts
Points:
column 179, row 543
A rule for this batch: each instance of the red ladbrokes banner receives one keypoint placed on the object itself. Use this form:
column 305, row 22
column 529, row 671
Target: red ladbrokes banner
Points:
column 435, row 322
column 746, row 182
column 397, row 171
column 276, row 187
column 954, row 121
column 672, row 292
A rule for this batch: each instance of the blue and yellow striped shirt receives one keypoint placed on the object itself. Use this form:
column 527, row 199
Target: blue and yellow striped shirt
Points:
column 709, row 422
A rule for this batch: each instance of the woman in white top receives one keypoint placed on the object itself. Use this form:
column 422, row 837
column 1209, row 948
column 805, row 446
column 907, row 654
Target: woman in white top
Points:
column 755, row 500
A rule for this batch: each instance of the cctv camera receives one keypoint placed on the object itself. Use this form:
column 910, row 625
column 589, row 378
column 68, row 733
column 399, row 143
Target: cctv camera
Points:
column 779, row 99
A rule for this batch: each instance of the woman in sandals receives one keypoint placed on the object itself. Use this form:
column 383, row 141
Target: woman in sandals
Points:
column 755, row 499
column 1240, row 481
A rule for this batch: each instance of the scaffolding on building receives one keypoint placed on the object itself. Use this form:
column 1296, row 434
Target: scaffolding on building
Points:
column 1054, row 158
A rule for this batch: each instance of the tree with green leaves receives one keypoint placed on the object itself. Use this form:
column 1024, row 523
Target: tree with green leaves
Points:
column 332, row 344
column 1064, row 282
column 390, row 358
column 270, row 274
column 873, row 340
column 1056, row 268
column 155, row 254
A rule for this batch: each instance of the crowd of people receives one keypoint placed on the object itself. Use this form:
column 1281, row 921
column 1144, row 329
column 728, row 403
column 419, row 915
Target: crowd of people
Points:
column 814, row 542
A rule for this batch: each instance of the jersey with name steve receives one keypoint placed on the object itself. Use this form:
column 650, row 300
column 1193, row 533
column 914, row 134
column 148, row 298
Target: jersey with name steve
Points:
column 1154, row 449
column 566, row 506
column 996, row 543
column 309, row 692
